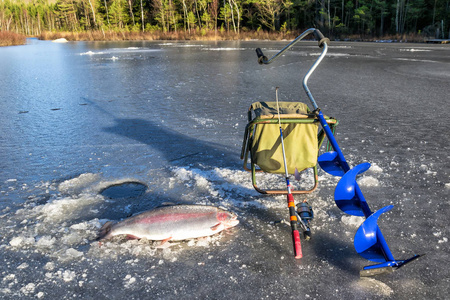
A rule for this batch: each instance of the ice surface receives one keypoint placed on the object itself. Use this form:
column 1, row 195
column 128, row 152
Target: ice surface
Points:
column 91, row 53
column 224, row 49
column 368, row 181
column 171, row 117
column 415, row 50
column 375, row 287
column 353, row 221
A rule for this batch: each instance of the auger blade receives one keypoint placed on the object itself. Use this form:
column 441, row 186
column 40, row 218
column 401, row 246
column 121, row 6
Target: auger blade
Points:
column 329, row 162
column 406, row 261
column 369, row 241
column 345, row 193
column 386, row 267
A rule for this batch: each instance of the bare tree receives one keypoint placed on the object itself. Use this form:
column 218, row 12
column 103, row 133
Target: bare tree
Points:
column 93, row 12
column 107, row 14
column 268, row 12
column 130, row 5
column 142, row 17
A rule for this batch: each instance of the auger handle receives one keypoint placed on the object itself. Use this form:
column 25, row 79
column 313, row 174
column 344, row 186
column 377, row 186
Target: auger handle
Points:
column 321, row 38
column 317, row 35
column 261, row 57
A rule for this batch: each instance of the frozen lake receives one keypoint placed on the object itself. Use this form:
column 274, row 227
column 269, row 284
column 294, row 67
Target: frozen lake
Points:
column 82, row 117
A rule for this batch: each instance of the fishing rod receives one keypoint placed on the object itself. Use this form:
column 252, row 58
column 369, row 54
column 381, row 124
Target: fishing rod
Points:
column 291, row 204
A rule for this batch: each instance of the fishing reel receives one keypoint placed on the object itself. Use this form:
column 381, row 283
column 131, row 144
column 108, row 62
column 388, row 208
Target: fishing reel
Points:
column 305, row 215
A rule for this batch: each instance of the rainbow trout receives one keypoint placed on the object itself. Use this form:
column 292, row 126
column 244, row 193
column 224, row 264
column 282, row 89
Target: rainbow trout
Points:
column 177, row 222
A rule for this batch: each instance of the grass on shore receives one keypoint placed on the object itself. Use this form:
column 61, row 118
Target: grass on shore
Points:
column 211, row 35
column 8, row 38
column 194, row 35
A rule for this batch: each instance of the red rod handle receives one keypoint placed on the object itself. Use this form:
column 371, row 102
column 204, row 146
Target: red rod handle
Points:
column 297, row 244
column 295, row 234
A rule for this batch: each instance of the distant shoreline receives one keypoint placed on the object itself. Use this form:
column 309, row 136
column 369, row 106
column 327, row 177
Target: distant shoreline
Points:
column 212, row 35
column 10, row 38
column 194, row 35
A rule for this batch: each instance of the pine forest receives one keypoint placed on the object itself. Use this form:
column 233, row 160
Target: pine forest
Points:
column 336, row 18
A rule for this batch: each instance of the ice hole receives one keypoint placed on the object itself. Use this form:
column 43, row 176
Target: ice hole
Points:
column 130, row 189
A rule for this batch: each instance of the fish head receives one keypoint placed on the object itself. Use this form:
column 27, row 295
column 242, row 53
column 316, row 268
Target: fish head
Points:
column 228, row 219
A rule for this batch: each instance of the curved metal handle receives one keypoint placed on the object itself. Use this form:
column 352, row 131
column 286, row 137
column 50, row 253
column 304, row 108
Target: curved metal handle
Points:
column 311, row 70
column 323, row 43
column 317, row 35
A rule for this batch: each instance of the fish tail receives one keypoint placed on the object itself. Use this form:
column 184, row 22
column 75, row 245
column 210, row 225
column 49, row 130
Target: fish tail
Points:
column 105, row 231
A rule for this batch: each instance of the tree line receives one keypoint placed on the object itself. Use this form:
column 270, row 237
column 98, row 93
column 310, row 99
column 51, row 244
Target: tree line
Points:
column 336, row 18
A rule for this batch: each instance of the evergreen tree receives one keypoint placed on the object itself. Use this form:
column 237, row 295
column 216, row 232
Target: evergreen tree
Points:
column 333, row 17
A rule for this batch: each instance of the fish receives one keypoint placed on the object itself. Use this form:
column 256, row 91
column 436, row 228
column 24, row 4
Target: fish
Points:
column 175, row 223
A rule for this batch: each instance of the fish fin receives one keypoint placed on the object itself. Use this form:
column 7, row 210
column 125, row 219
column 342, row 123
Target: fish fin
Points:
column 104, row 232
column 166, row 245
column 216, row 227
column 165, row 241
column 297, row 175
column 132, row 237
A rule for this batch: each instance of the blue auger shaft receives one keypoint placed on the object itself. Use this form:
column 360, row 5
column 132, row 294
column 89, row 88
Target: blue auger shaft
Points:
column 333, row 142
column 364, row 206
column 342, row 162
column 384, row 246
column 341, row 159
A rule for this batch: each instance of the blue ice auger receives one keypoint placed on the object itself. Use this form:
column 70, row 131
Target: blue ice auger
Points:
column 369, row 241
